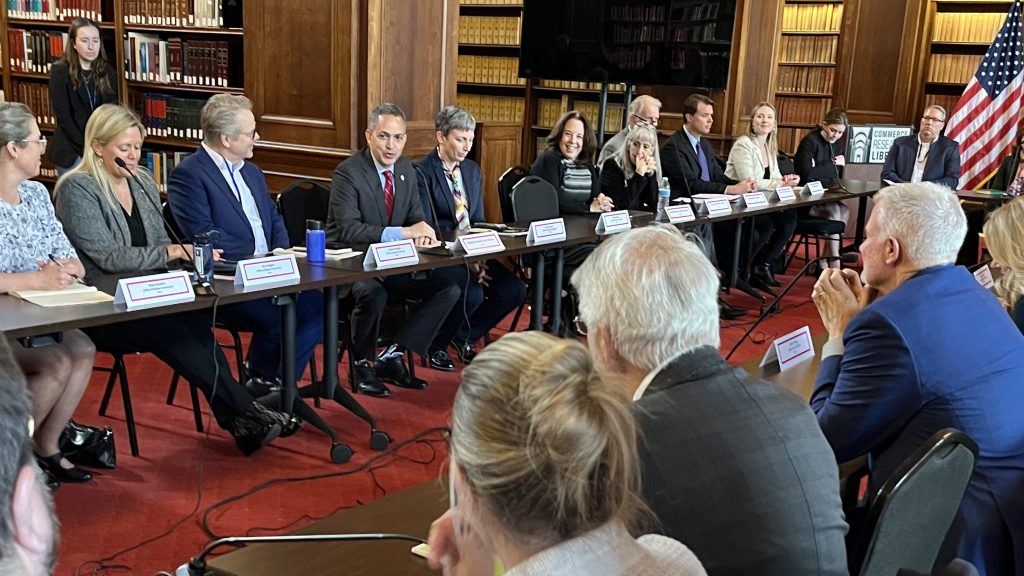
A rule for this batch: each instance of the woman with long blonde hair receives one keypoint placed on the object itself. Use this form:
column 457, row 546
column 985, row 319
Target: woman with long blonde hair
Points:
column 1004, row 237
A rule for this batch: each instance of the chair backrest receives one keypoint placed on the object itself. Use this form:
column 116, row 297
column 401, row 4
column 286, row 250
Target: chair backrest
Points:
column 302, row 200
column 534, row 198
column 506, row 182
column 914, row 509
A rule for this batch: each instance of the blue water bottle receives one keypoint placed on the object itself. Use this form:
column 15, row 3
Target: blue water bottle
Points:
column 315, row 240
column 202, row 253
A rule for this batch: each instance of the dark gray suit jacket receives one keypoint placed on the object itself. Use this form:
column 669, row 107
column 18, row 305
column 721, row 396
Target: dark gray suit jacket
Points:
column 942, row 164
column 739, row 470
column 356, row 213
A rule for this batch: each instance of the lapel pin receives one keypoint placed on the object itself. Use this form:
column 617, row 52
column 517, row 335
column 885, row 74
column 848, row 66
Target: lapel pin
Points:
column 401, row 177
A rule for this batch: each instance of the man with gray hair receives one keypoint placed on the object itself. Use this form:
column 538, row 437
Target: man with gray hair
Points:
column 934, row 350
column 643, row 109
column 735, row 468
column 28, row 527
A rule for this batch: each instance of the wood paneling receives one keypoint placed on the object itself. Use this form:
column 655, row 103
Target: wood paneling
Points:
column 752, row 71
column 499, row 147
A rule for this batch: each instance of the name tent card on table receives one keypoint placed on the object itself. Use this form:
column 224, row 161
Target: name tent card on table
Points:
column 679, row 214
column 480, row 243
column 754, row 200
column 544, row 231
column 612, row 222
column 391, row 254
column 814, row 188
column 784, row 194
column 267, row 270
column 790, row 350
column 984, row 277
column 713, row 204
column 154, row 290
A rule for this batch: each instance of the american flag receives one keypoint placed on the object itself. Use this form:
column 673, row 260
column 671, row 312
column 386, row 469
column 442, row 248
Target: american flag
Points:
column 987, row 116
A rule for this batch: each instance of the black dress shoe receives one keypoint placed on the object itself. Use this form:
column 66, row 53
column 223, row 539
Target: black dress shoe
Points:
column 256, row 427
column 727, row 312
column 51, row 464
column 392, row 369
column 259, row 387
column 365, row 380
column 440, row 360
column 763, row 274
column 465, row 351
column 52, row 484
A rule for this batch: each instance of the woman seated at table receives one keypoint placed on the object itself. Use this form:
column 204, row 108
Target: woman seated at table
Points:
column 820, row 158
column 568, row 164
column 1010, row 176
column 630, row 178
column 30, row 236
column 756, row 155
column 116, row 226
column 544, row 470
column 1004, row 238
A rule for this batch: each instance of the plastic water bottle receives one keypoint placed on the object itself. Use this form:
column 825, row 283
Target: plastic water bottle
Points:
column 202, row 253
column 664, row 192
column 315, row 241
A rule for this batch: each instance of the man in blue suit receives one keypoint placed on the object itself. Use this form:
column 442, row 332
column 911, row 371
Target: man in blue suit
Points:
column 927, row 157
column 935, row 350
column 217, row 189
column 451, row 190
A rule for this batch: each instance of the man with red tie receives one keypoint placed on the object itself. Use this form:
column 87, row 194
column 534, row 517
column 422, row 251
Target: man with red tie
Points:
column 374, row 198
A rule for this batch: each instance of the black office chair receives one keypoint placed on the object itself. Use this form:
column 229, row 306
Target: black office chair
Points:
column 506, row 182
column 812, row 229
column 534, row 198
column 302, row 200
column 911, row 513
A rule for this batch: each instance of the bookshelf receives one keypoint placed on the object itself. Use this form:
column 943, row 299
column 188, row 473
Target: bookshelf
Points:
column 808, row 52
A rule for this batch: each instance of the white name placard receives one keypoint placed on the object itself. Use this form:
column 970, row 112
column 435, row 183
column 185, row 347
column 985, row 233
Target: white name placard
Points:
column 681, row 213
column 267, row 270
column 984, row 277
column 544, row 231
column 391, row 254
column 482, row 243
column 814, row 188
column 612, row 222
column 755, row 200
column 154, row 290
column 716, row 206
column 784, row 194
column 790, row 350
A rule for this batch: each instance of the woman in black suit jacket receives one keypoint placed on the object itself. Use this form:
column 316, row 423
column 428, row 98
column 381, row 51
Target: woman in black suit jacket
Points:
column 570, row 152
column 819, row 157
column 630, row 177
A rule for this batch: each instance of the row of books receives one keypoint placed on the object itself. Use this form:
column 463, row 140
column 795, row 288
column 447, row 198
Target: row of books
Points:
column 549, row 110
column 36, row 96
column 575, row 85
column 804, row 80
column 693, row 33
column 812, row 17
column 160, row 163
column 149, row 58
column 492, row 2
column 56, row 10
column 635, row 13
column 168, row 116
column 953, row 68
column 962, row 27
column 808, row 49
column 947, row 101
column 637, row 33
column 801, row 110
column 789, row 138
column 34, row 50
column 503, row 30
column 698, row 11
column 502, row 70
column 494, row 108
column 636, row 57
column 201, row 13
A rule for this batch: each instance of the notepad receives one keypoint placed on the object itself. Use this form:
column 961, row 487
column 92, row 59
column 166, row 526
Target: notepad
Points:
column 70, row 296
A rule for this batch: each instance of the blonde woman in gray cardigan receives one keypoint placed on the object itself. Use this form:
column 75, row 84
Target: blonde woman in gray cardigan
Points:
column 756, row 155
column 116, row 229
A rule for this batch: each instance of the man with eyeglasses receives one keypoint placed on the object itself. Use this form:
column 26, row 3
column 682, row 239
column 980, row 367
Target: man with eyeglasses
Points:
column 643, row 109
column 927, row 157
column 217, row 189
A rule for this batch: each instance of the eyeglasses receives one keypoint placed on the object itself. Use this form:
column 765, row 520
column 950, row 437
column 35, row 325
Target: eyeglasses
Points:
column 581, row 326
column 933, row 119
column 40, row 141
column 251, row 135
column 652, row 122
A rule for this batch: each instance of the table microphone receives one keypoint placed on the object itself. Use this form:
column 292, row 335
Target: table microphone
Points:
column 835, row 169
column 978, row 266
column 204, row 287
column 848, row 258
column 196, row 566
column 445, row 250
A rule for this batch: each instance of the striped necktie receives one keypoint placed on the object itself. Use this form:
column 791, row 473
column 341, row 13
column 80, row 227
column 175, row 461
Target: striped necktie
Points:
column 389, row 193
column 461, row 214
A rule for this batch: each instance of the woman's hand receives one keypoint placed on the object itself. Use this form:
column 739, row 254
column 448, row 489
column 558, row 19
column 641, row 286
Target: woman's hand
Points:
column 455, row 547
column 790, row 180
column 53, row 277
column 840, row 160
column 601, row 203
column 178, row 252
column 644, row 164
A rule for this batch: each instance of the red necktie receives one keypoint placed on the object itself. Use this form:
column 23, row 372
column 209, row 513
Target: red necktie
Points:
column 389, row 193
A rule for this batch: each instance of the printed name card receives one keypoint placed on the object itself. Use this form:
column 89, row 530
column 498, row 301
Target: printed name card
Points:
column 784, row 194
column 814, row 188
column 391, row 254
column 755, row 200
column 612, row 222
column 154, row 290
column 267, row 270
column 482, row 243
column 984, row 277
column 679, row 214
column 790, row 350
column 544, row 231
column 717, row 206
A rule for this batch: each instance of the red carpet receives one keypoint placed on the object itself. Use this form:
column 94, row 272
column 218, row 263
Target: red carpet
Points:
column 181, row 473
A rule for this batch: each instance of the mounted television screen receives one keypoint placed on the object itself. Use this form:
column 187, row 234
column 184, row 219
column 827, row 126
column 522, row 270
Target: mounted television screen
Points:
column 663, row 42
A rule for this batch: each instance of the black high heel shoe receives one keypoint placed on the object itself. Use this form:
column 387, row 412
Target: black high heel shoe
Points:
column 51, row 464
column 763, row 273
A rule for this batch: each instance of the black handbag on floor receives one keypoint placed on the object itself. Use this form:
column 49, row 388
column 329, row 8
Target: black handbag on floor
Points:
column 85, row 445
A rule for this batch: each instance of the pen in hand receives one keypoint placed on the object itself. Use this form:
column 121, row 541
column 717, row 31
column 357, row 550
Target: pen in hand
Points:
column 72, row 274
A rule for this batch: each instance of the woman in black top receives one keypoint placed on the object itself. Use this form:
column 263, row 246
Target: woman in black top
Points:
column 630, row 177
column 820, row 158
column 568, row 164
column 80, row 82
column 1010, row 176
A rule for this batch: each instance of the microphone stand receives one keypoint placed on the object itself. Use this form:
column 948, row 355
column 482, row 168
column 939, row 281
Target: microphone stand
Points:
column 203, row 288
column 444, row 249
column 835, row 169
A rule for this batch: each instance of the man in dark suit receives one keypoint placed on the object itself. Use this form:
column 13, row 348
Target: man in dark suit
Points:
column 736, row 468
column 927, row 157
column 451, row 189
column 374, row 198
column 216, row 189
column 936, row 350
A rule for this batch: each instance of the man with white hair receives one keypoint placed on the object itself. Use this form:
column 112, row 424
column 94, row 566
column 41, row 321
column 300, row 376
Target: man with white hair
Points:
column 28, row 528
column 644, row 110
column 734, row 467
column 935, row 350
